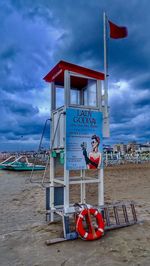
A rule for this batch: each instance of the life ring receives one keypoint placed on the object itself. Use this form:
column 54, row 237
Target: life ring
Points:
column 92, row 233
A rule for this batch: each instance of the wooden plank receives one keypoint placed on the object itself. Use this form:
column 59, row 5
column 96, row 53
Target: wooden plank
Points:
column 54, row 241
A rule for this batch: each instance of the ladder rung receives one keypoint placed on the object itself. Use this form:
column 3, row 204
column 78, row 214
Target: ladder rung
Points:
column 116, row 215
column 125, row 213
column 106, row 212
column 133, row 212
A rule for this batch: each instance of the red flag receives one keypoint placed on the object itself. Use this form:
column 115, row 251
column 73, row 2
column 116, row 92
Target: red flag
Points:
column 117, row 32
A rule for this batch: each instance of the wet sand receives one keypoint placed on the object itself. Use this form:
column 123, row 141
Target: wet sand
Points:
column 23, row 229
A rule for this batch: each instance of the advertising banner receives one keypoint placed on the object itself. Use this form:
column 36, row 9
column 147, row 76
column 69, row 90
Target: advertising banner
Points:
column 83, row 139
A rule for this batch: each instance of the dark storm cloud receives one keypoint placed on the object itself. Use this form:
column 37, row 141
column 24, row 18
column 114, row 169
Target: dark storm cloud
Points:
column 20, row 108
column 142, row 102
column 20, row 121
column 37, row 34
column 83, row 28
column 130, row 110
column 22, row 53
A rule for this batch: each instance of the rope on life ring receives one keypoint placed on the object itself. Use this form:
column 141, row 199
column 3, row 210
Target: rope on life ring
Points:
column 92, row 233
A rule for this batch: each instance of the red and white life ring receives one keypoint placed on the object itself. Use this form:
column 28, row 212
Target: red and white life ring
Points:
column 93, row 233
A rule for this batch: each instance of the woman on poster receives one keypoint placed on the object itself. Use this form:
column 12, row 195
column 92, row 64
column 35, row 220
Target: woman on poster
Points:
column 93, row 159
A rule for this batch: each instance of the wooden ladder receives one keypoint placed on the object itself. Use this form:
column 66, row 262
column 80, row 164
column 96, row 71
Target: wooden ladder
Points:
column 119, row 215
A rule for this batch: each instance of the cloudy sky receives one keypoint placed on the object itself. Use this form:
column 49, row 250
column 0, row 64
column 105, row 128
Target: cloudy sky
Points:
column 35, row 35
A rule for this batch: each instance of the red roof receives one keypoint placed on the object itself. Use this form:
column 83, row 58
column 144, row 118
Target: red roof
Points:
column 57, row 73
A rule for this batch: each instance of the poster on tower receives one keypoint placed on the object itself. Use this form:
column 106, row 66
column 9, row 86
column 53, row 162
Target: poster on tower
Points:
column 83, row 139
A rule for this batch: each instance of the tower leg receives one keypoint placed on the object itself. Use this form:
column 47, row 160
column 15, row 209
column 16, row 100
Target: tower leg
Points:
column 66, row 189
column 83, row 196
column 52, row 187
column 101, row 187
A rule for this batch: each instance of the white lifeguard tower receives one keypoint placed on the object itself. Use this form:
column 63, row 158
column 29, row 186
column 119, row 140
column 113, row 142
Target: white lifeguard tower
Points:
column 74, row 88
column 79, row 113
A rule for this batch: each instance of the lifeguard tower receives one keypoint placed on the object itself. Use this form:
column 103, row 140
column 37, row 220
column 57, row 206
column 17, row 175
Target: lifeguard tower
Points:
column 79, row 115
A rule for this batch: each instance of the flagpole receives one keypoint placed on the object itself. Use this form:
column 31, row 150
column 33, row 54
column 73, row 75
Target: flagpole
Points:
column 105, row 66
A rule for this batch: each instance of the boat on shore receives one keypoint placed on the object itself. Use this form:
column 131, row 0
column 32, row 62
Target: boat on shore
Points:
column 20, row 165
column 7, row 162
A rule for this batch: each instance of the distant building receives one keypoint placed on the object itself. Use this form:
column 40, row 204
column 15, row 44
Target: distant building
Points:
column 121, row 148
column 144, row 148
column 107, row 148
column 133, row 147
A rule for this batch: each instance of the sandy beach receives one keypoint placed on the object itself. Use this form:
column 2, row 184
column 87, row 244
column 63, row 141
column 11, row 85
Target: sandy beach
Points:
column 23, row 229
